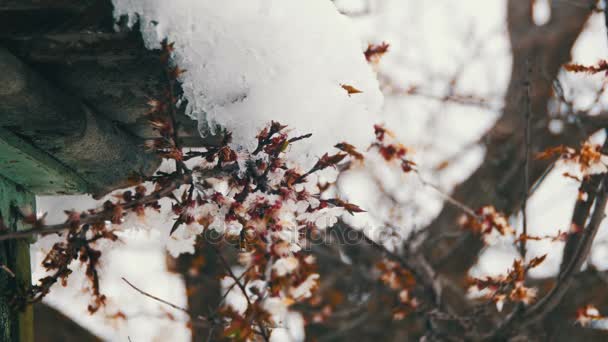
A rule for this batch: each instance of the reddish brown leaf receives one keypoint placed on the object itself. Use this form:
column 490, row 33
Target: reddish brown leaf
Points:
column 375, row 52
column 350, row 149
column 350, row 89
column 537, row 261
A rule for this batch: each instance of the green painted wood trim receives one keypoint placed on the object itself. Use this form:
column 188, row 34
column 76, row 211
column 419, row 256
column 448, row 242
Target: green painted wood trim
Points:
column 34, row 169
column 15, row 326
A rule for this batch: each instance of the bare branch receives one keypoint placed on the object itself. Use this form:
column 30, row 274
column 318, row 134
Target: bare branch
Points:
column 526, row 178
column 175, row 306
column 99, row 216
column 545, row 305
column 553, row 298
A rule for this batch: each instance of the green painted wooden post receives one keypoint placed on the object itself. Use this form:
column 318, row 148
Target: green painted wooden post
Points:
column 34, row 169
column 24, row 172
column 15, row 255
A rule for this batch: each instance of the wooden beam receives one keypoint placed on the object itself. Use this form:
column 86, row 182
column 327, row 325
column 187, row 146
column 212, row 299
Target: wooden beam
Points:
column 15, row 257
column 59, row 125
column 71, row 5
column 52, row 326
column 34, row 169
column 26, row 17
column 113, row 73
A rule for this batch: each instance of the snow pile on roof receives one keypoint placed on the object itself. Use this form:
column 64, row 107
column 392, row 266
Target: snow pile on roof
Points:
column 250, row 62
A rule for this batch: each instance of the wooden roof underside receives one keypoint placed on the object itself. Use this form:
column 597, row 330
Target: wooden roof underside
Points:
column 81, row 55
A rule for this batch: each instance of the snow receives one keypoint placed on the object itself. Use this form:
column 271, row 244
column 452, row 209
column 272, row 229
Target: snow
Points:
column 139, row 256
column 468, row 48
column 250, row 62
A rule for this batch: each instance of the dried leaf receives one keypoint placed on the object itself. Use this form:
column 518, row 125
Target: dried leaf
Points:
column 592, row 69
column 375, row 52
column 537, row 261
column 350, row 149
column 551, row 152
column 350, row 89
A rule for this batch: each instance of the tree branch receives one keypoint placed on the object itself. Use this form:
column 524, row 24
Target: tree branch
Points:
column 552, row 299
column 565, row 278
column 497, row 180
column 100, row 216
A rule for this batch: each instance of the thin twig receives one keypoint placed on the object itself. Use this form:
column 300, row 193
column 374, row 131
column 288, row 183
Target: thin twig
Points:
column 263, row 331
column 423, row 271
column 175, row 306
column 8, row 270
column 539, row 181
column 606, row 15
column 101, row 215
column 447, row 197
column 234, row 284
column 526, row 185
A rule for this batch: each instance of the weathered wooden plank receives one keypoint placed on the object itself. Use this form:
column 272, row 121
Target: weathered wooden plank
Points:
column 21, row 5
column 112, row 72
column 35, row 170
column 60, row 125
column 52, row 325
column 14, row 326
column 26, row 17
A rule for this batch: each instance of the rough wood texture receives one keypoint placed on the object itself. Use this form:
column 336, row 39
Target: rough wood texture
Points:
column 111, row 72
column 63, row 54
column 14, row 326
column 71, row 133
column 73, row 98
column 79, row 51
column 53, row 326
column 35, row 170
